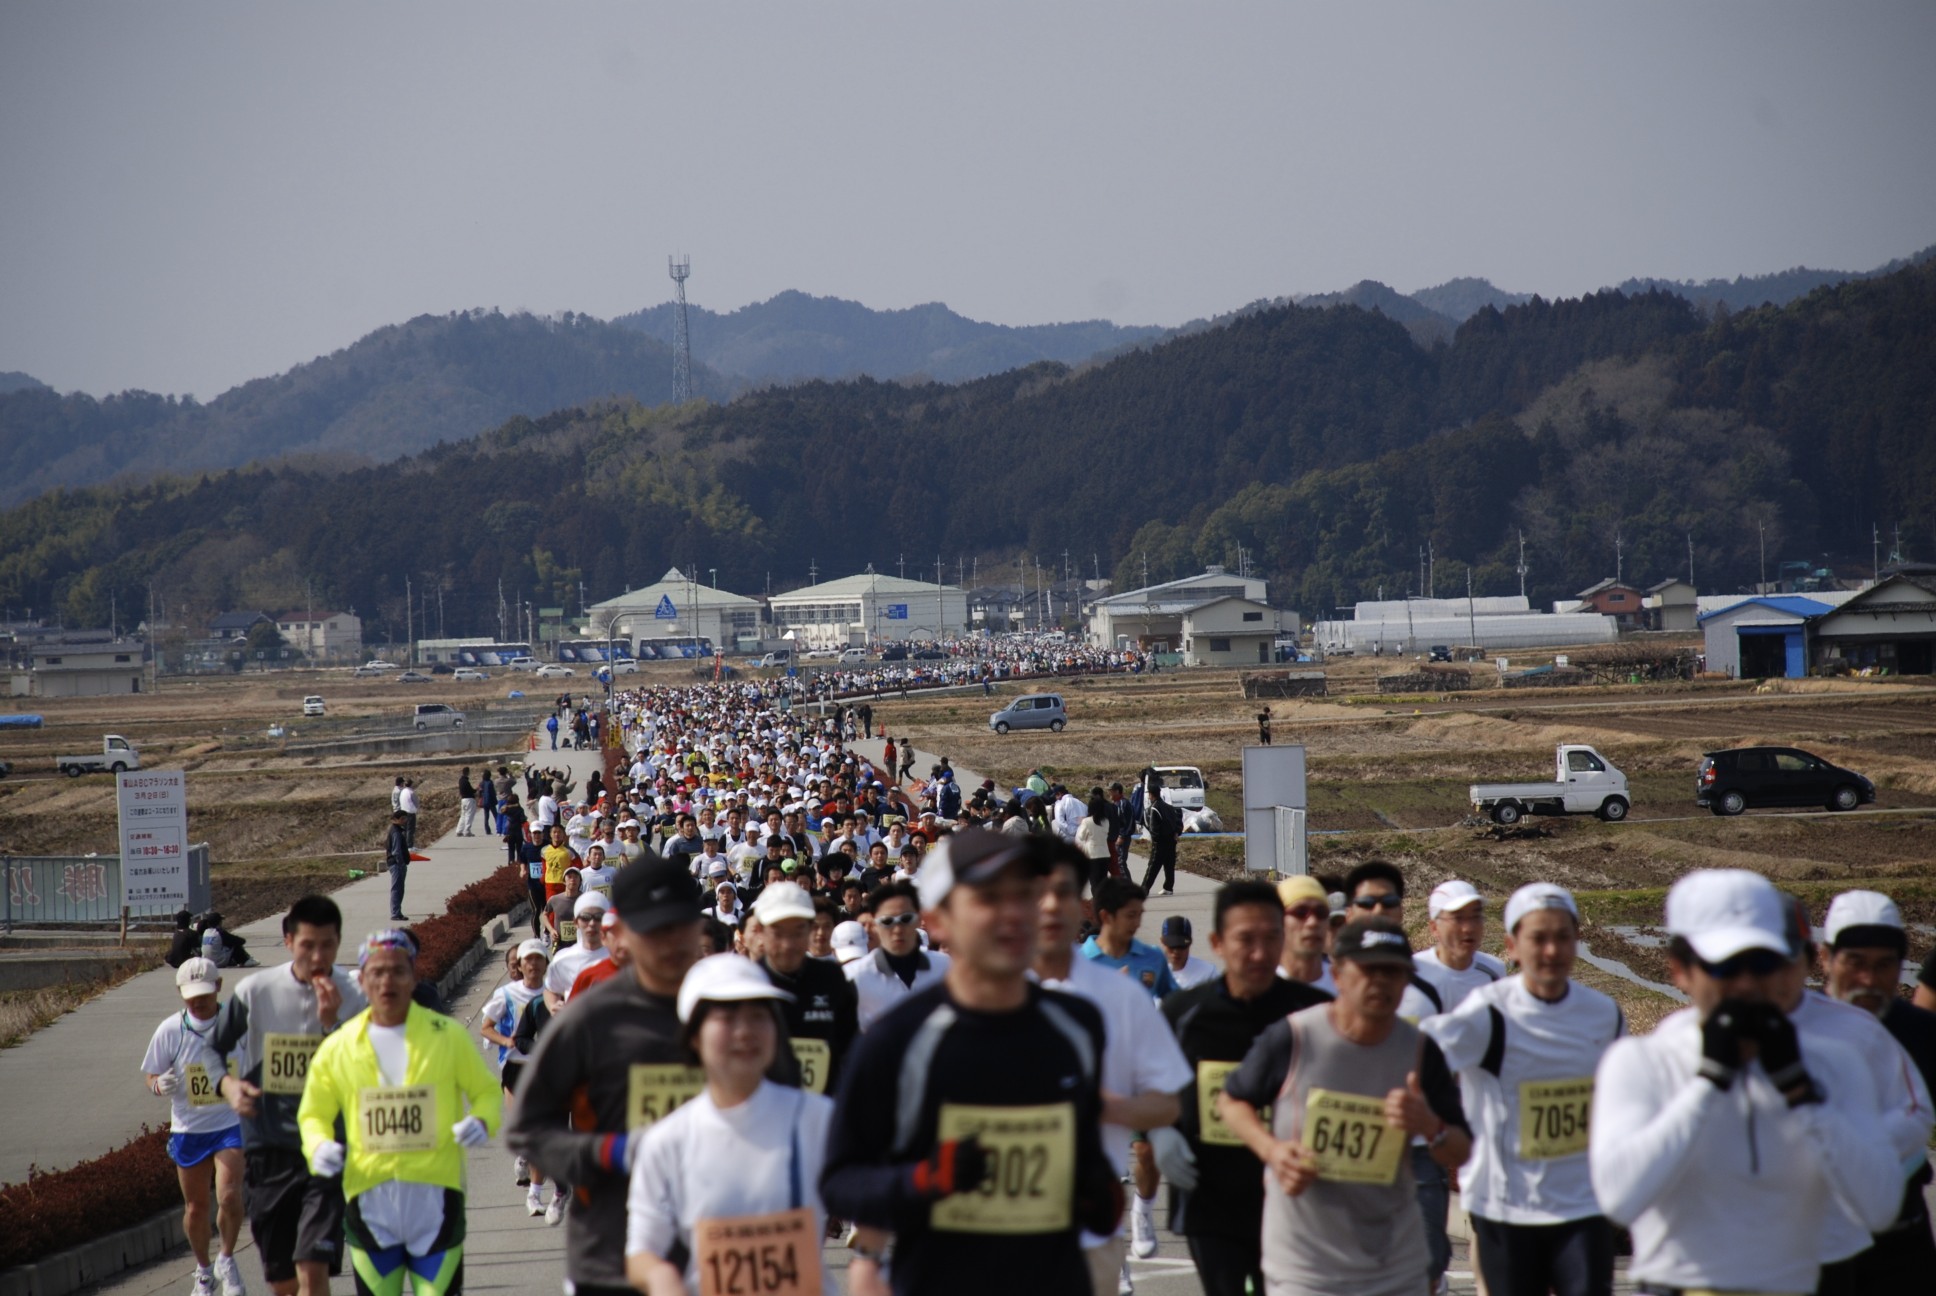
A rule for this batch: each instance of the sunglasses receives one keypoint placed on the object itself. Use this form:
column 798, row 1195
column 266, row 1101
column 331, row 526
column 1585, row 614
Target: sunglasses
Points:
column 1756, row 962
column 897, row 920
column 1386, row 901
column 1308, row 913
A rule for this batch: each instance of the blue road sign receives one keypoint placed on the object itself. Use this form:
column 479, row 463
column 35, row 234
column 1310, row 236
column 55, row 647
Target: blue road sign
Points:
column 897, row 611
column 665, row 611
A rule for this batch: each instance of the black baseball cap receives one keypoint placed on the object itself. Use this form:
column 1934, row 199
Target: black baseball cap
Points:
column 1176, row 932
column 1374, row 942
column 655, row 892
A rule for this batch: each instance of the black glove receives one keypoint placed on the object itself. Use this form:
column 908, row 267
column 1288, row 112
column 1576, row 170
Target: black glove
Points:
column 1721, row 1036
column 1781, row 1054
column 958, row 1165
column 1099, row 1204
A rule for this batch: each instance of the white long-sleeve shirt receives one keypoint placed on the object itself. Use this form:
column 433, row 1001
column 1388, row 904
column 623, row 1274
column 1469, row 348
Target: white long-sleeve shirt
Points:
column 1068, row 813
column 1904, row 1097
column 1732, row 1190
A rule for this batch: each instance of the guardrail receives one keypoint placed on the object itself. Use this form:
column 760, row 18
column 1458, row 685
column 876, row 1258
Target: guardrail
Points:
column 76, row 890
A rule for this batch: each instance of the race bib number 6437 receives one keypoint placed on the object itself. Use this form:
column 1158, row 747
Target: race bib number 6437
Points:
column 1348, row 1133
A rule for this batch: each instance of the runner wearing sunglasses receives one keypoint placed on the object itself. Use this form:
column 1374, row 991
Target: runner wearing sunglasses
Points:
column 900, row 967
column 1726, row 1139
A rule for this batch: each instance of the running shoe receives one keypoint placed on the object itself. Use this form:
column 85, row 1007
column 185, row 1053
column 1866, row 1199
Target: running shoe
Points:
column 229, row 1274
column 204, row 1281
column 555, row 1213
column 1142, row 1227
column 534, row 1201
column 524, row 1173
column 1125, row 1285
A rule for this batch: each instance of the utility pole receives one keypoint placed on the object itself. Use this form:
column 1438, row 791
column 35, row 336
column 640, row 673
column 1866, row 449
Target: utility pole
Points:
column 1619, row 557
column 440, row 605
column 1690, row 557
column 900, row 565
column 1471, row 615
column 500, row 610
column 1522, row 564
column 681, row 339
column 409, row 624
column 1875, row 553
column 1761, row 528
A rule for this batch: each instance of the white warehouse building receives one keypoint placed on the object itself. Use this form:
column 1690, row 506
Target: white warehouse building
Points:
column 676, row 606
column 868, row 608
column 1413, row 625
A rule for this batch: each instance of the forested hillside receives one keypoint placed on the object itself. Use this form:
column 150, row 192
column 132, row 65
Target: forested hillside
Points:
column 396, row 391
column 795, row 336
column 1322, row 441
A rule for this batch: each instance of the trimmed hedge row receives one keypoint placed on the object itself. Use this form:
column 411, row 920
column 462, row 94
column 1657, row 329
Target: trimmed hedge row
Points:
column 54, row 1211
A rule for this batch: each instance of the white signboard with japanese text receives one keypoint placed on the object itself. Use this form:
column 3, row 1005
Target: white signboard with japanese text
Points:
column 154, row 838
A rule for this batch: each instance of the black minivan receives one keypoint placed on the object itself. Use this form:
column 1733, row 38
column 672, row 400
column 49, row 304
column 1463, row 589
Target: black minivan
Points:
column 1732, row 781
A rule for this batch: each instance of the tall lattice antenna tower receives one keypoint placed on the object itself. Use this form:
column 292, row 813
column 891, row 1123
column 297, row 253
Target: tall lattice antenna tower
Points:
column 681, row 339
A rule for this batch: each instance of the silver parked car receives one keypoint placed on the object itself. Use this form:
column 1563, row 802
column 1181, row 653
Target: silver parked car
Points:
column 1031, row 711
column 436, row 715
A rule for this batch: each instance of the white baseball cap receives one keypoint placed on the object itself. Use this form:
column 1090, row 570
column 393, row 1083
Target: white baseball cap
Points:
column 1863, row 916
column 783, row 901
column 850, row 942
column 198, row 976
column 1448, row 896
column 1539, row 895
column 533, row 946
column 725, row 978
column 1725, row 912
column 591, row 900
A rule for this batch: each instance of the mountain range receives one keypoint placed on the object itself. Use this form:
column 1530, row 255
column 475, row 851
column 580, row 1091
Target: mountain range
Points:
column 1320, row 444
column 407, row 387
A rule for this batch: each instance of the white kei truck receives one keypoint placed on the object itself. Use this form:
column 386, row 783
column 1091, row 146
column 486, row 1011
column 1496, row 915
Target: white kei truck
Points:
column 1584, row 782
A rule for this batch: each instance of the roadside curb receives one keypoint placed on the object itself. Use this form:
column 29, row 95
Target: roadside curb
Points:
column 160, row 1235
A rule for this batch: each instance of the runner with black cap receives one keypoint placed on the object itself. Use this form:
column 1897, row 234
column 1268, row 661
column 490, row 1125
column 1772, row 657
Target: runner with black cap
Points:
column 1867, row 944
column 1217, row 1195
column 1187, row 968
column 611, row 1065
column 1526, row 1049
column 966, row 1129
column 1346, row 1084
column 1726, row 1138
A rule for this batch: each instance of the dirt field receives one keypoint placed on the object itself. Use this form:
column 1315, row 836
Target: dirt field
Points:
column 278, row 825
column 1388, row 780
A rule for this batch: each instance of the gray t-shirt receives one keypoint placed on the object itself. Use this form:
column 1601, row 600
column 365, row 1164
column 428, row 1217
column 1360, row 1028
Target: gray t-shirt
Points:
column 271, row 1025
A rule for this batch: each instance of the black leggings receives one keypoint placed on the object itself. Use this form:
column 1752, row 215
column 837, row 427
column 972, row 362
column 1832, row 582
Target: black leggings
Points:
column 1570, row 1259
column 1228, row 1266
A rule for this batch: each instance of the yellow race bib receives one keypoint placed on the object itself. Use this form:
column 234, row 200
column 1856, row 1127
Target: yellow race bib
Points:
column 397, row 1118
column 1211, row 1131
column 285, row 1062
column 816, row 1060
column 1032, row 1169
column 201, row 1089
column 758, row 1255
column 1349, row 1135
column 1553, row 1116
column 654, row 1090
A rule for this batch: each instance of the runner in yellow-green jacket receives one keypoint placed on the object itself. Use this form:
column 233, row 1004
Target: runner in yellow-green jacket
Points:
column 413, row 1094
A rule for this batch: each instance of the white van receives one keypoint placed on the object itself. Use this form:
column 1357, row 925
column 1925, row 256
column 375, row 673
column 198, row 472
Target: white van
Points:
column 1182, row 785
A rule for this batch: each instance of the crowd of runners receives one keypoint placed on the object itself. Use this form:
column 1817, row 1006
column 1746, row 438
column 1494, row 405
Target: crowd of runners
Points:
column 947, row 663
column 781, row 1001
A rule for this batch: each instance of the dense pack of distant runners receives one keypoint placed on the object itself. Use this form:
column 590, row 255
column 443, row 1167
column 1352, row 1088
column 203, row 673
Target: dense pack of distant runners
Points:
column 781, row 1000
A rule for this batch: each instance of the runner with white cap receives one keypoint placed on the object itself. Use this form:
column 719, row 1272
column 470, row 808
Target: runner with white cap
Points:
column 729, row 1181
column 1726, row 1138
column 1526, row 1050
column 1847, row 1243
column 1454, row 962
column 586, row 949
column 849, row 942
column 820, row 1009
column 204, row 1134
column 1867, row 944
column 500, row 1021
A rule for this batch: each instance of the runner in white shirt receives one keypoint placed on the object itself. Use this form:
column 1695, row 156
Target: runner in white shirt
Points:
column 587, row 949
column 597, row 873
column 1899, row 1088
column 1454, row 963
column 900, row 967
column 1525, row 1050
column 734, row 1172
column 1142, row 1067
column 501, row 1012
column 204, row 1133
column 1187, row 968
column 1306, row 933
column 1725, row 1139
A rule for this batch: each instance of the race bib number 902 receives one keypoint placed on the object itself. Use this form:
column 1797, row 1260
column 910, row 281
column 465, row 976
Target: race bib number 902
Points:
column 1349, row 1135
column 285, row 1062
column 1031, row 1169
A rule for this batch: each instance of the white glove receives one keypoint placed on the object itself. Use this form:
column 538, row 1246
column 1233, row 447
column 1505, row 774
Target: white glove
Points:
column 470, row 1132
column 327, row 1159
column 1174, row 1157
column 167, row 1082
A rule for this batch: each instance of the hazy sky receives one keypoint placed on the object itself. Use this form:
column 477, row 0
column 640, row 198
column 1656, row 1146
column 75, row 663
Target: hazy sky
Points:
column 194, row 194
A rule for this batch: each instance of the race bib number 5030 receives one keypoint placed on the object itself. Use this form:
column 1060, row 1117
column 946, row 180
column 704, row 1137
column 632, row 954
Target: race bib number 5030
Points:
column 285, row 1062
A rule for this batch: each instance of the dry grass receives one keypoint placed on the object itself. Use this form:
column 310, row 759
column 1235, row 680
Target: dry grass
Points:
column 22, row 1012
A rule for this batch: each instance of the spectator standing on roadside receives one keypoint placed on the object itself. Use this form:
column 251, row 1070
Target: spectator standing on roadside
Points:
column 205, row 1138
column 407, row 802
column 551, row 727
column 1164, row 823
column 487, row 801
column 1093, row 839
column 396, row 857
column 504, row 784
column 466, row 802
